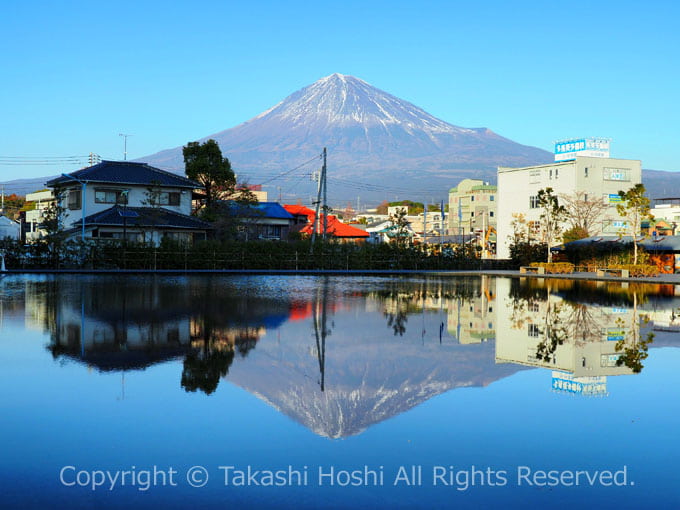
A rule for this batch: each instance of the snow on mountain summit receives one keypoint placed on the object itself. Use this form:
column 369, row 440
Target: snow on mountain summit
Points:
column 343, row 100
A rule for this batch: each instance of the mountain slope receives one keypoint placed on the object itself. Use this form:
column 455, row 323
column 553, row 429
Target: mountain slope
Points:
column 369, row 134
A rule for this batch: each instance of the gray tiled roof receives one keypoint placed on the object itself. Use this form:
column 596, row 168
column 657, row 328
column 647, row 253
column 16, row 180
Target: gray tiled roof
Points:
column 143, row 217
column 126, row 172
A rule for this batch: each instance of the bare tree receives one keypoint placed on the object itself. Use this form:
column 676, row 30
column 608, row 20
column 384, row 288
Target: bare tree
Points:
column 584, row 212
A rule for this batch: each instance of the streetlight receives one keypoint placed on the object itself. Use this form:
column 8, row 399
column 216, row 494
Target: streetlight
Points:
column 82, row 199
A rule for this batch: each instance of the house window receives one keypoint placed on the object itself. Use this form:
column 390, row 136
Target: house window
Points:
column 534, row 331
column 491, row 213
column 533, row 202
column 168, row 198
column 74, row 202
column 270, row 231
column 491, row 198
column 110, row 196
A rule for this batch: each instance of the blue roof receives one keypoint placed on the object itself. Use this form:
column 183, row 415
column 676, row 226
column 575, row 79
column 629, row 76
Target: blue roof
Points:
column 145, row 217
column 126, row 172
column 260, row 210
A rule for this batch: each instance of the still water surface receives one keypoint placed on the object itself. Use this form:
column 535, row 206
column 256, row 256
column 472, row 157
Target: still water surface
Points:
column 337, row 392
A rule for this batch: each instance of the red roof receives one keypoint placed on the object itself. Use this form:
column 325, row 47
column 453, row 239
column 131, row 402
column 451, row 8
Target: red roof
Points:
column 336, row 228
column 296, row 210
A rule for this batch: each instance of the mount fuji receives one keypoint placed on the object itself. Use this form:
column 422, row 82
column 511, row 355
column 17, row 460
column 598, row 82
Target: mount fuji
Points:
column 372, row 138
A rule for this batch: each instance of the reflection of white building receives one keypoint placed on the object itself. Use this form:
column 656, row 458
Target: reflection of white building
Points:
column 589, row 334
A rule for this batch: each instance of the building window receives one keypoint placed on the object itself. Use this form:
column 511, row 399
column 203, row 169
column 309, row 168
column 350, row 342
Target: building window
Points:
column 586, row 171
column 616, row 174
column 551, row 173
column 534, row 331
column 491, row 214
column 472, row 198
column 472, row 214
column 533, row 202
column 557, row 173
column 168, row 198
column 535, row 227
column 110, row 196
column 491, row 198
column 74, row 202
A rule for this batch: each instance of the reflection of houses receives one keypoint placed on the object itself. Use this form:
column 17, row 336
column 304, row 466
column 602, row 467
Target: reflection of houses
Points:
column 473, row 320
column 118, row 345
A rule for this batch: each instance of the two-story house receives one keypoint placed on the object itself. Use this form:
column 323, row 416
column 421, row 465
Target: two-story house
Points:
column 122, row 199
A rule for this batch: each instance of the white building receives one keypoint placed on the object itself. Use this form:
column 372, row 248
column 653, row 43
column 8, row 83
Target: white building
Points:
column 600, row 178
column 9, row 228
column 41, row 201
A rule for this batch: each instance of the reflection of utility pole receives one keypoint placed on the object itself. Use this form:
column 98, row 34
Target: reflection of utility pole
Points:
column 320, row 332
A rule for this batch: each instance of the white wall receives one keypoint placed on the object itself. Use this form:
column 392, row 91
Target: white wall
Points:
column 517, row 185
column 136, row 196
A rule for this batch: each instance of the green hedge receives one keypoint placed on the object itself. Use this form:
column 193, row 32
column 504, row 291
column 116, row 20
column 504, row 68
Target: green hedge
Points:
column 216, row 255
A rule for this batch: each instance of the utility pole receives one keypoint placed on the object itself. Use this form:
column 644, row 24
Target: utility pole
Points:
column 325, row 202
column 315, row 227
column 125, row 137
column 2, row 208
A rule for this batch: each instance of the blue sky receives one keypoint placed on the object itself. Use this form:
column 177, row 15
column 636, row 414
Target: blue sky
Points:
column 76, row 74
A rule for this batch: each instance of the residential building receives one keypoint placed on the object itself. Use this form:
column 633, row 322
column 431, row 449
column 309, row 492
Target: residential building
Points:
column 122, row 199
column 37, row 203
column 667, row 209
column 599, row 178
column 472, row 207
column 263, row 221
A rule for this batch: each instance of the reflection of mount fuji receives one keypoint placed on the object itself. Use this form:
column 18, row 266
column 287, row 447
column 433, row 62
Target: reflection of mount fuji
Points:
column 364, row 385
column 350, row 370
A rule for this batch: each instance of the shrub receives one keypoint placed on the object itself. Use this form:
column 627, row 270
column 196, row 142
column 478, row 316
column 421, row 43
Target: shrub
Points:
column 638, row 270
column 555, row 267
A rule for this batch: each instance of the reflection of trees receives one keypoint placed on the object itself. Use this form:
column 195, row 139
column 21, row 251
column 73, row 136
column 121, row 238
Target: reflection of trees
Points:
column 634, row 352
column 204, row 367
column 633, row 355
column 554, row 332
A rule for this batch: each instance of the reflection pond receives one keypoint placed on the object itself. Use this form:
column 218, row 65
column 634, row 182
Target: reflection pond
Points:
column 338, row 392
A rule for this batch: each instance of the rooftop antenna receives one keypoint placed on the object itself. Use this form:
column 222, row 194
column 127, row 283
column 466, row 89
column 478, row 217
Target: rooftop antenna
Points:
column 125, row 137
